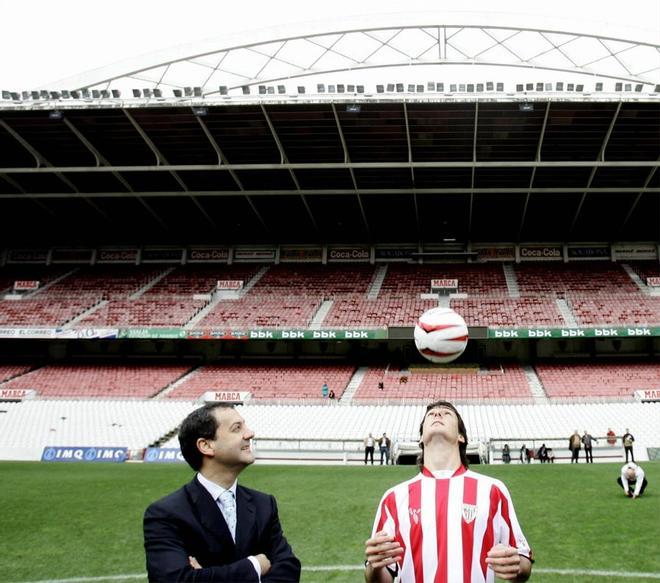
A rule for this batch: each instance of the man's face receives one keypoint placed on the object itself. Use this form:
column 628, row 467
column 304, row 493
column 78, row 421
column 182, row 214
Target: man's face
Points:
column 232, row 439
column 441, row 421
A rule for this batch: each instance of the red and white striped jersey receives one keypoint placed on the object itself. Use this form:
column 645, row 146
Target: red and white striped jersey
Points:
column 447, row 525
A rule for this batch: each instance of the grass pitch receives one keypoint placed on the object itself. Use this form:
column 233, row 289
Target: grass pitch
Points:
column 64, row 521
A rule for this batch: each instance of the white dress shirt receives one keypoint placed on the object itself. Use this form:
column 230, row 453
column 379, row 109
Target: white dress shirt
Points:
column 639, row 477
column 216, row 491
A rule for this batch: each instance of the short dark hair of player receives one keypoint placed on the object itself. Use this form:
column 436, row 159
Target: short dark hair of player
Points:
column 201, row 423
column 462, row 447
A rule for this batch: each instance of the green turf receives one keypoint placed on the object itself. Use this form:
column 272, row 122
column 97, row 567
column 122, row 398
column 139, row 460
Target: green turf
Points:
column 68, row 520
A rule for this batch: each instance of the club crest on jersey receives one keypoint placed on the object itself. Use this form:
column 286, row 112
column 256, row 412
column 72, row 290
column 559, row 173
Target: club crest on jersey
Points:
column 414, row 514
column 469, row 512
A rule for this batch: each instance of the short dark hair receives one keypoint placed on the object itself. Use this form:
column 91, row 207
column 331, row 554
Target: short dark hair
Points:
column 462, row 447
column 201, row 423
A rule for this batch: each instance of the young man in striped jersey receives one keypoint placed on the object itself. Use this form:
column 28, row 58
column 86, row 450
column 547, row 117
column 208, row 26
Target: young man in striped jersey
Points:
column 447, row 524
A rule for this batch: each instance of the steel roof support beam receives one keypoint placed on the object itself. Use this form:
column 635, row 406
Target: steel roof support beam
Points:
column 25, row 195
column 600, row 158
column 636, row 201
column 412, row 171
column 42, row 162
column 285, row 160
column 100, row 160
column 474, row 161
column 222, row 160
column 347, row 160
column 338, row 166
column 341, row 192
column 531, row 178
column 160, row 159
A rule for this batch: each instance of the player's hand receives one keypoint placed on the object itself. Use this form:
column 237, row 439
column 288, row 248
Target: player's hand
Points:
column 264, row 563
column 194, row 563
column 382, row 550
column 634, row 496
column 504, row 561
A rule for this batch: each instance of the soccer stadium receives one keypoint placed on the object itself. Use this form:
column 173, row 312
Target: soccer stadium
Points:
column 263, row 220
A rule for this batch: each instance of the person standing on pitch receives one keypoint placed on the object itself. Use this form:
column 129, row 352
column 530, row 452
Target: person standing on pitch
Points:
column 628, row 441
column 369, row 445
column 587, row 440
column 575, row 445
column 447, row 523
column 212, row 529
column 384, row 444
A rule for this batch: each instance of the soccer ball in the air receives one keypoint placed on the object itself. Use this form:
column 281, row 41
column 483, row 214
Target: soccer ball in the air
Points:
column 441, row 335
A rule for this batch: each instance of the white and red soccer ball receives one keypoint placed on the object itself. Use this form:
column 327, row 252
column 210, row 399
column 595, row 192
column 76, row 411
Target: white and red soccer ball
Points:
column 441, row 335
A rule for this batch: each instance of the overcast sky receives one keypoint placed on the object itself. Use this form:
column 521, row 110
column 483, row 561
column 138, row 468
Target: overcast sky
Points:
column 43, row 41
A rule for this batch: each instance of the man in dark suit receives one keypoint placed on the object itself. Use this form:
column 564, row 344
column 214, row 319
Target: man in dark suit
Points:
column 212, row 529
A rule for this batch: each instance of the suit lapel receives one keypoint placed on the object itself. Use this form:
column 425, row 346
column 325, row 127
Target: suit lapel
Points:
column 208, row 512
column 245, row 523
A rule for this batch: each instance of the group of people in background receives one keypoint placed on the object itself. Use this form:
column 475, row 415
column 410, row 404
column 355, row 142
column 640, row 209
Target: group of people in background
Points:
column 327, row 393
column 384, row 445
column 575, row 443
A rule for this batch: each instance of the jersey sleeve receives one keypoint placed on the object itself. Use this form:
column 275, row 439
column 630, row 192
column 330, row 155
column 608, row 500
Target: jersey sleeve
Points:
column 510, row 532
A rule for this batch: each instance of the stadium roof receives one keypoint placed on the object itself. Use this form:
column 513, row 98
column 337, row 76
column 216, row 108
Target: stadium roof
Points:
column 467, row 159
column 324, row 172
column 394, row 44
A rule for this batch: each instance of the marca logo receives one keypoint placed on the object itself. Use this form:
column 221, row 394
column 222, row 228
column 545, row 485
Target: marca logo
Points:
column 414, row 514
column 469, row 512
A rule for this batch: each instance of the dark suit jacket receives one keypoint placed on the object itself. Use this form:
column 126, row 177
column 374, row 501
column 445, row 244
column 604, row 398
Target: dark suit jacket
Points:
column 189, row 522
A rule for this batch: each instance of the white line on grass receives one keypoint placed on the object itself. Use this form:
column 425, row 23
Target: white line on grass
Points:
column 325, row 568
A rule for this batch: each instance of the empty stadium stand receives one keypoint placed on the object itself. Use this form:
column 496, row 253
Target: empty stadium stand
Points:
column 271, row 382
column 588, row 380
column 265, row 311
column 507, row 382
column 527, row 311
column 98, row 381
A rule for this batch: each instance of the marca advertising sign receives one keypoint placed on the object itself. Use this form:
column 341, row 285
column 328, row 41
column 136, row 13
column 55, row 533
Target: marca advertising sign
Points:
column 604, row 332
column 541, row 253
column 494, row 252
column 227, row 396
column 301, row 254
column 164, row 455
column 117, row 256
column 84, row 454
column 26, row 285
column 352, row 254
column 647, row 395
column 208, row 255
column 653, row 281
column 229, row 284
column 17, row 394
column 444, row 284
column 288, row 334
